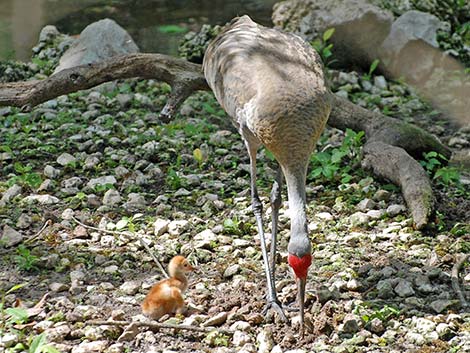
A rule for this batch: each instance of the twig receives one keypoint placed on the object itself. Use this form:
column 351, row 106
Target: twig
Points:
column 154, row 324
column 46, row 224
column 114, row 232
column 455, row 278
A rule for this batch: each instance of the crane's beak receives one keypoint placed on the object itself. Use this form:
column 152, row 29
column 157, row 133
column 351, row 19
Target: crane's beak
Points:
column 301, row 299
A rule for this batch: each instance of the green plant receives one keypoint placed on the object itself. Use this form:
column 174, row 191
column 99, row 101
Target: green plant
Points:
column 26, row 176
column 15, row 315
column 232, row 226
column 330, row 163
column 38, row 345
column 367, row 313
column 323, row 48
column 24, row 259
column 129, row 222
column 172, row 29
column 444, row 175
column 372, row 68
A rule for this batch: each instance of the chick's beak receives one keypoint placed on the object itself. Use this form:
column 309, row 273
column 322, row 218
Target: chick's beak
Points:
column 301, row 299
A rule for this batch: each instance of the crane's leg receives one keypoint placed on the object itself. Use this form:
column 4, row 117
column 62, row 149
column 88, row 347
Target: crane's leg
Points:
column 273, row 302
column 276, row 201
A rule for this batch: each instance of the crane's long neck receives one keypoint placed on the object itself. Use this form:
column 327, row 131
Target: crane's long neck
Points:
column 299, row 244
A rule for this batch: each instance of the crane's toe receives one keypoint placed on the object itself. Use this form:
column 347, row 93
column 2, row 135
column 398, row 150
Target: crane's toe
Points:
column 274, row 306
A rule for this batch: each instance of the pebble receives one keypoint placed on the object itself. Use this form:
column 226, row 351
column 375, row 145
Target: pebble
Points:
column 41, row 199
column 90, row 347
column 395, row 210
column 58, row 287
column 366, row 204
column 111, row 197
column 107, row 179
column 177, row 227
column 160, row 226
column 130, row 287
column 359, row 219
column 66, row 159
column 10, row 237
column 240, row 338
column 264, row 340
column 404, row 288
column 10, row 194
column 216, row 320
column 231, row 270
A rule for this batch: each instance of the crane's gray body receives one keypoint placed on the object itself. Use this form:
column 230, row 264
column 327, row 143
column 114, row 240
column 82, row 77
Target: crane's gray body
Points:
column 272, row 84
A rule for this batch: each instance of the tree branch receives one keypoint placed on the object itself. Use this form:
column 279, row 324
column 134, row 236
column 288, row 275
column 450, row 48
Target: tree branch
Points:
column 390, row 146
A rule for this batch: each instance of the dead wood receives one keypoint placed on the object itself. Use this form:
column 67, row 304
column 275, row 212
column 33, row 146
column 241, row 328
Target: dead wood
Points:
column 390, row 151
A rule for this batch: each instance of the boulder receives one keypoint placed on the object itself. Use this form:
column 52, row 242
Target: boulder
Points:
column 98, row 41
column 360, row 27
column 411, row 48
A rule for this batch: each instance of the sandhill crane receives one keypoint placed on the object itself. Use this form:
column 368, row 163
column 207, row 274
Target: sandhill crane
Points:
column 166, row 297
column 273, row 87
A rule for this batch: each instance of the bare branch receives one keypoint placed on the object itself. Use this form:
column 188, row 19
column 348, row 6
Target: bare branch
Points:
column 183, row 76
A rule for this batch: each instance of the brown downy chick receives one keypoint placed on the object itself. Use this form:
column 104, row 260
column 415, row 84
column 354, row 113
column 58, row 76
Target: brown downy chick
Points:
column 166, row 297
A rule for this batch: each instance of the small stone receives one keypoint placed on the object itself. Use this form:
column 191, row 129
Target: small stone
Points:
column 444, row 331
column 353, row 285
column 67, row 214
column 24, row 221
column 376, row 214
column 380, row 82
column 381, row 195
column 441, row 305
column 160, row 226
column 325, row 216
column 240, row 338
column 41, row 199
column 8, row 339
column 111, row 197
column 358, row 219
column 10, row 237
column 366, row 204
column 58, row 287
column 66, row 159
column 350, row 324
column 135, row 202
column 111, row 269
column 90, row 347
column 404, row 289
column 265, row 341
column 395, row 210
column 377, row 326
column 104, row 180
column 232, row 270
column 182, row 192
column 9, row 194
column 130, row 287
column 216, row 320
column 176, row 228
column 424, row 325
column 385, row 289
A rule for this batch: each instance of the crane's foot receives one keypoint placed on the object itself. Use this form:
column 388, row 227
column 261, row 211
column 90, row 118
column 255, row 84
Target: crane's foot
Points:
column 275, row 306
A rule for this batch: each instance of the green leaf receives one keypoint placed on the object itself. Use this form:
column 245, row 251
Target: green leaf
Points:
column 171, row 29
column 327, row 34
column 17, row 315
column 373, row 66
column 197, row 153
column 16, row 287
column 38, row 343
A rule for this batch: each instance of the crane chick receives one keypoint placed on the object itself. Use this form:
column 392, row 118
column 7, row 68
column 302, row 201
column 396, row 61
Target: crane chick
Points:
column 166, row 297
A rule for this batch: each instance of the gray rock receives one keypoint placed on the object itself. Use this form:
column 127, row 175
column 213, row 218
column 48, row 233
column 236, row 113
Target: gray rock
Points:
column 51, row 172
column 216, row 320
column 73, row 182
column 380, row 82
column 375, row 214
column 366, row 204
column 124, row 99
column 98, row 41
column 10, row 237
column 232, row 270
column 130, row 287
column 359, row 219
column 177, row 227
column 404, row 289
column 350, row 324
column 395, row 210
column 385, row 289
column 182, row 192
column 111, row 197
column 90, row 347
column 423, row 325
column 444, row 331
column 58, row 287
column 240, row 338
column 351, row 19
column 413, row 34
column 441, row 305
column 107, row 179
column 48, row 33
column 160, row 226
column 65, row 159
column 135, row 202
column 9, row 194
column 41, row 199
column 377, row 326
column 24, row 221
column 265, row 341
column 91, row 162
column 8, row 339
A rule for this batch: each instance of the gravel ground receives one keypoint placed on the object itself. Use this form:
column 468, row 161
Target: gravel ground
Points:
column 101, row 159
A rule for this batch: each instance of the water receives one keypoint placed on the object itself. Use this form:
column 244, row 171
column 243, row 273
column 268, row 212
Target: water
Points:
column 22, row 20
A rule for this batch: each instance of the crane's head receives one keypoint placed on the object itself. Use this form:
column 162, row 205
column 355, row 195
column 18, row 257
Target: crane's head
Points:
column 300, row 259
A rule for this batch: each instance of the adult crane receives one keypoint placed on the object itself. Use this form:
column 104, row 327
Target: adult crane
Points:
column 273, row 87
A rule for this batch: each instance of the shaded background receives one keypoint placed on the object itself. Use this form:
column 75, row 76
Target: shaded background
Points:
column 22, row 20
